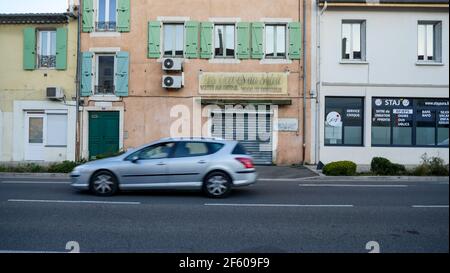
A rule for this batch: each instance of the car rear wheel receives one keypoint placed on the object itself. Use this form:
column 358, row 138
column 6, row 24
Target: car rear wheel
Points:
column 217, row 185
column 104, row 183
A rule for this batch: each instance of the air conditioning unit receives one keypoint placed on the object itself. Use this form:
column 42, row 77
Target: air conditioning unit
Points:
column 172, row 64
column 173, row 82
column 55, row 93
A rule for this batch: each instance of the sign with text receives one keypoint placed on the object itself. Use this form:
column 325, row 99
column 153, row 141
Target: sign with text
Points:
column 287, row 125
column 243, row 83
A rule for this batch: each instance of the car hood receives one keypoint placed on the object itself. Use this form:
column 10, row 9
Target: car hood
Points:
column 103, row 161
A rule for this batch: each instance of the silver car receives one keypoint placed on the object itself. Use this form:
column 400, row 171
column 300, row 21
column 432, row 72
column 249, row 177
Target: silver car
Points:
column 212, row 165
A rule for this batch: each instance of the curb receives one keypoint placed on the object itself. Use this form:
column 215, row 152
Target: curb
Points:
column 314, row 178
column 313, row 168
column 379, row 178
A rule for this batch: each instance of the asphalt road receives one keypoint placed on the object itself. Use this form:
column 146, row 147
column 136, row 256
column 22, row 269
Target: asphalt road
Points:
column 272, row 216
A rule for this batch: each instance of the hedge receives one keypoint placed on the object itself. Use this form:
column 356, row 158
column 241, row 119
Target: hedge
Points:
column 340, row 168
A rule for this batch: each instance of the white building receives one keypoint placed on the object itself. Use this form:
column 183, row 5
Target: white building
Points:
column 380, row 80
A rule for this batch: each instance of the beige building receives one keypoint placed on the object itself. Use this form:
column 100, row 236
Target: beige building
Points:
column 37, row 87
column 151, row 69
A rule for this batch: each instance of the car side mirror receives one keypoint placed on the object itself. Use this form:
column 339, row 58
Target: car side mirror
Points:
column 135, row 159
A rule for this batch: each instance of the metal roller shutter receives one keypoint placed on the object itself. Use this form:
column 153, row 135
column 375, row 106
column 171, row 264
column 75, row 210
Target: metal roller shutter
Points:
column 258, row 145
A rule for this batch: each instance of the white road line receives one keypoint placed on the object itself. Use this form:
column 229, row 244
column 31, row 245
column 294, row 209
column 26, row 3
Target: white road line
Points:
column 430, row 206
column 278, row 205
column 353, row 185
column 30, row 252
column 35, row 182
column 74, row 202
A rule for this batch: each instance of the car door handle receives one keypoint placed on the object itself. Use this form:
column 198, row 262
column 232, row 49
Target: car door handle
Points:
column 202, row 162
column 161, row 164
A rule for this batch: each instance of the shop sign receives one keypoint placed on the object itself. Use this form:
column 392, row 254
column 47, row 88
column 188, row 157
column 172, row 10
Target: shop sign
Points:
column 287, row 125
column 211, row 83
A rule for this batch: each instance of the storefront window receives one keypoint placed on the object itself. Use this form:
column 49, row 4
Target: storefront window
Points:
column 425, row 127
column 410, row 122
column 344, row 121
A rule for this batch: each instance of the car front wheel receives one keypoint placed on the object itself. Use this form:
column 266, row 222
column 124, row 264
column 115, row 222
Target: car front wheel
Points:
column 217, row 185
column 104, row 183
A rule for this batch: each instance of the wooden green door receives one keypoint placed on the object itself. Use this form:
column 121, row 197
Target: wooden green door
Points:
column 103, row 133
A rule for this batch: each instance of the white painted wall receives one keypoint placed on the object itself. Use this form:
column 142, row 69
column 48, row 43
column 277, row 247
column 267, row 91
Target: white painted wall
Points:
column 391, row 48
column 390, row 71
column 17, row 142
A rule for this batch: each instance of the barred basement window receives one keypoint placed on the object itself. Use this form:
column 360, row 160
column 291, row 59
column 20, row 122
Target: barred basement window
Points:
column 47, row 49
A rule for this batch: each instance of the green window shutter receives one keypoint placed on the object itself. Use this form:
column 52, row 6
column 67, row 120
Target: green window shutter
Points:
column 257, row 40
column 122, row 59
column 123, row 16
column 243, row 40
column 29, row 48
column 88, row 16
column 61, row 49
column 192, row 29
column 295, row 41
column 206, row 37
column 154, row 39
column 86, row 74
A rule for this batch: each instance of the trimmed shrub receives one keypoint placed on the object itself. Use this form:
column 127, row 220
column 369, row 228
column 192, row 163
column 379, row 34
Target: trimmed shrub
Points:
column 63, row 167
column 344, row 168
column 383, row 166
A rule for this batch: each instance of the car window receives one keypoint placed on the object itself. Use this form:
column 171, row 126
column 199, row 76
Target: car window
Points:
column 189, row 149
column 239, row 150
column 214, row 147
column 156, row 151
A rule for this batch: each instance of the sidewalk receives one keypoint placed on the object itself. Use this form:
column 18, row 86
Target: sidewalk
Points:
column 274, row 173
column 265, row 172
column 289, row 172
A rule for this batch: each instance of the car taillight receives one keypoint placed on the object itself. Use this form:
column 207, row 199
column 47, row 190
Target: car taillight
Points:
column 247, row 162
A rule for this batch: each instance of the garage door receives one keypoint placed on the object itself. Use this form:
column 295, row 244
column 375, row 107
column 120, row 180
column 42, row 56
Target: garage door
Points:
column 245, row 127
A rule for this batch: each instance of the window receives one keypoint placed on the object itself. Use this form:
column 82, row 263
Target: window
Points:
column 158, row 151
column 224, row 41
column 410, row 122
column 106, row 15
column 353, row 40
column 344, row 121
column 36, row 130
column 56, row 130
column 429, row 47
column 173, row 40
column 239, row 150
column 191, row 149
column 105, row 74
column 47, row 49
column 275, row 41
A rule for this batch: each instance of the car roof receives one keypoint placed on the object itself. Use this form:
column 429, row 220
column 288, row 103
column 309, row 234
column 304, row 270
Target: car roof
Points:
column 202, row 139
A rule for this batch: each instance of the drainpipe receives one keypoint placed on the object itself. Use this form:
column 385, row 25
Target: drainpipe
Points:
column 78, row 88
column 304, row 83
column 319, row 77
